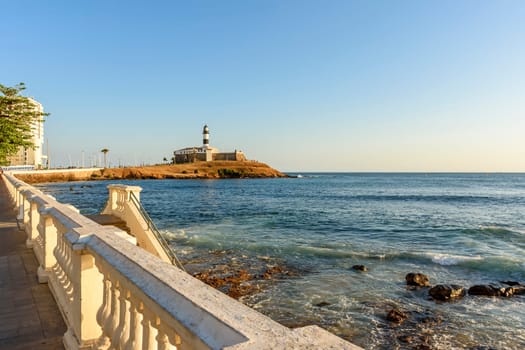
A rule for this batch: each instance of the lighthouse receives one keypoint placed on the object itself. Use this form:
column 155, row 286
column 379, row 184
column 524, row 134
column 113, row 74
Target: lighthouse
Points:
column 205, row 153
column 205, row 137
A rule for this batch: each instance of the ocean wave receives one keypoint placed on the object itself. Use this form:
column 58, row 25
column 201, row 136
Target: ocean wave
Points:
column 344, row 253
column 438, row 198
column 451, row 259
column 172, row 235
column 498, row 232
column 497, row 229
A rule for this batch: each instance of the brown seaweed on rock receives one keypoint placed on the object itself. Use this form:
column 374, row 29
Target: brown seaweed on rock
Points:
column 238, row 275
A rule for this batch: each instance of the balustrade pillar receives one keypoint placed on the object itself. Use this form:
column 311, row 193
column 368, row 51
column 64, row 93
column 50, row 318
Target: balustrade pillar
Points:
column 87, row 300
column 20, row 201
column 25, row 212
column 17, row 195
column 118, row 196
column 32, row 224
column 48, row 235
column 91, row 290
column 112, row 199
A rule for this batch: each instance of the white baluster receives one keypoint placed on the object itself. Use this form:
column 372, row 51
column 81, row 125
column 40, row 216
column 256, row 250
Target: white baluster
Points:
column 162, row 340
column 125, row 311
column 168, row 338
column 135, row 334
column 104, row 314
column 149, row 340
column 113, row 321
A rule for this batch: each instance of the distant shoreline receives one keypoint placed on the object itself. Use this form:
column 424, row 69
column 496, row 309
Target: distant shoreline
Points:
column 197, row 170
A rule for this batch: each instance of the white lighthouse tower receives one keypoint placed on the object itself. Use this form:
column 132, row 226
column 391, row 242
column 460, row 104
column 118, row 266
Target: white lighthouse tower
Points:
column 206, row 143
column 205, row 137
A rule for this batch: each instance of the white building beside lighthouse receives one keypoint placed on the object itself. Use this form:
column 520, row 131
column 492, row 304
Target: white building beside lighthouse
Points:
column 205, row 153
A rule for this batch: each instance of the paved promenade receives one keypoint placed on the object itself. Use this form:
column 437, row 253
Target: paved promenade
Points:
column 29, row 316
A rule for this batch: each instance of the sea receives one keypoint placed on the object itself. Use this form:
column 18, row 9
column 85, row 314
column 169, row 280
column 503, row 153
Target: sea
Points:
column 463, row 229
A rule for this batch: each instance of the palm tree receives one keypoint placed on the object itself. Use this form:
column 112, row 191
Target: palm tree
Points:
column 105, row 151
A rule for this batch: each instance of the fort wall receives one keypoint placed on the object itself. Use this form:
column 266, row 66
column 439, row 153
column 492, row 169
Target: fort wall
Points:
column 235, row 156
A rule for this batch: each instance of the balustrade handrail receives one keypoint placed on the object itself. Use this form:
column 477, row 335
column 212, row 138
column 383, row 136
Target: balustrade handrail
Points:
column 151, row 225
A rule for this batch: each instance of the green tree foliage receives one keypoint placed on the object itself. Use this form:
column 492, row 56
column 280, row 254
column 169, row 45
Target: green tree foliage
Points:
column 18, row 114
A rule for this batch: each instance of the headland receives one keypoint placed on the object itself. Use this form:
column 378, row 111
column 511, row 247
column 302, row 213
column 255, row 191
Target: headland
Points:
column 195, row 170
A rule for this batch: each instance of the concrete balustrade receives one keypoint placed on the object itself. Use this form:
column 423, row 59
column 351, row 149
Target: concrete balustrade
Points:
column 114, row 294
column 120, row 205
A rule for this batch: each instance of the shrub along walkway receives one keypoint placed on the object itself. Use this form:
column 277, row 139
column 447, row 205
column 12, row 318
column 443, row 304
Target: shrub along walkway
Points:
column 29, row 316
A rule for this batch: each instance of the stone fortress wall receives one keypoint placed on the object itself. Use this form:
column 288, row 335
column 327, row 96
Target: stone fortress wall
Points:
column 201, row 157
column 236, row 155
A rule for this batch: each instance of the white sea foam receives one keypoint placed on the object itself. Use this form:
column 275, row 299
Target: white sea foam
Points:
column 518, row 230
column 502, row 229
column 174, row 234
column 451, row 259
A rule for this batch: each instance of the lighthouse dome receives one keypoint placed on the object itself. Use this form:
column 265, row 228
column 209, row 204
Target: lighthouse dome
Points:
column 205, row 130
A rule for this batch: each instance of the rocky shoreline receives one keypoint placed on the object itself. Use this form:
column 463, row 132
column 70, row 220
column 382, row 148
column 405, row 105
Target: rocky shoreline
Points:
column 410, row 327
column 415, row 328
column 197, row 170
column 237, row 275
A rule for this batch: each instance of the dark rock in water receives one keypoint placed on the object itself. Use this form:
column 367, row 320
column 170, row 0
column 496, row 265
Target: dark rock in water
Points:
column 396, row 316
column 494, row 291
column 416, row 341
column 518, row 290
column 486, row 290
column 428, row 317
column 446, row 292
column 361, row 268
column 423, row 347
column 322, row 304
column 430, row 320
column 511, row 283
column 406, row 338
column 509, row 291
column 417, row 279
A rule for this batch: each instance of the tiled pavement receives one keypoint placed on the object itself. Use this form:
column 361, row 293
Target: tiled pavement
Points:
column 29, row 316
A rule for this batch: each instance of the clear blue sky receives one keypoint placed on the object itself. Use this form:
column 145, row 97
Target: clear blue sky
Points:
column 301, row 85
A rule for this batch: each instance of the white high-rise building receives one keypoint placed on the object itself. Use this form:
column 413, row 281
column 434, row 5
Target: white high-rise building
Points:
column 28, row 156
